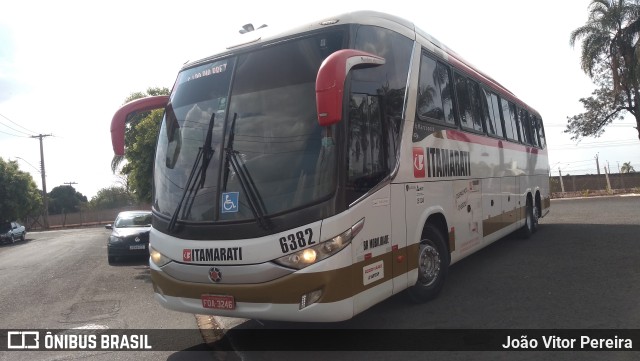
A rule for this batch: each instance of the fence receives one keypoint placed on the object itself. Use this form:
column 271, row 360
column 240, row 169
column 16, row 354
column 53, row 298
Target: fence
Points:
column 85, row 218
column 595, row 182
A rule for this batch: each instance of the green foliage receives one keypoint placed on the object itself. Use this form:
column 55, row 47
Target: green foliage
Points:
column 627, row 168
column 19, row 195
column 110, row 198
column 140, row 139
column 65, row 199
column 610, row 56
column 140, row 156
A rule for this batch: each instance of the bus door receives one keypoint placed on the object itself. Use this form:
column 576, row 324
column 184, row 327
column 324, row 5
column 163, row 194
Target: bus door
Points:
column 368, row 166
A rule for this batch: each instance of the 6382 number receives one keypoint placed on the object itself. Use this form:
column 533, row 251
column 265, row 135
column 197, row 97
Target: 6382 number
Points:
column 293, row 241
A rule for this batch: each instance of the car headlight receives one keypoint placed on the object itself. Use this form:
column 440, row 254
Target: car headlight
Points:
column 158, row 258
column 115, row 239
column 317, row 253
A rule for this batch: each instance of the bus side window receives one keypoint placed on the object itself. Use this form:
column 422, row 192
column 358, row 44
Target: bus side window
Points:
column 492, row 114
column 508, row 114
column 540, row 127
column 469, row 104
column 534, row 130
column 434, row 92
column 523, row 123
column 367, row 163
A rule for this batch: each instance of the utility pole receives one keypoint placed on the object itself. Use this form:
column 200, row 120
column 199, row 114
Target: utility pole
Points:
column 69, row 183
column 45, row 213
column 561, row 182
column 597, row 164
column 606, row 173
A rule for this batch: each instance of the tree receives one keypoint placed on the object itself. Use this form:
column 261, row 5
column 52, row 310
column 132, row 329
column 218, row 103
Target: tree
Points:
column 610, row 54
column 141, row 136
column 65, row 199
column 111, row 197
column 627, row 168
column 19, row 195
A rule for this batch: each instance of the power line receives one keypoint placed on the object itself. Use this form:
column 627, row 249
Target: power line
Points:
column 13, row 135
column 30, row 131
column 15, row 130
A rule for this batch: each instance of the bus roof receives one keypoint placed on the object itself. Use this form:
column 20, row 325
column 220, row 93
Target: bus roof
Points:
column 272, row 33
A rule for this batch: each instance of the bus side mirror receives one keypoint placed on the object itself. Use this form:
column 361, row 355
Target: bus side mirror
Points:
column 120, row 117
column 330, row 81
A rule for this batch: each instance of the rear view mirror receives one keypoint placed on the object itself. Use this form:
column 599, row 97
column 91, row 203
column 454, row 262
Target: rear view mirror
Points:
column 330, row 81
column 120, row 117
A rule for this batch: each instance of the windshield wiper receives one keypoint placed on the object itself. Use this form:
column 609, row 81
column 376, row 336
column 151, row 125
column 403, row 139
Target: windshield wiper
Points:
column 256, row 203
column 205, row 153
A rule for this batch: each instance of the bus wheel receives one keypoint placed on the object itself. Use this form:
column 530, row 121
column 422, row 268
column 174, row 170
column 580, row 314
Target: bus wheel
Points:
column 433, row 264
column 531, row 220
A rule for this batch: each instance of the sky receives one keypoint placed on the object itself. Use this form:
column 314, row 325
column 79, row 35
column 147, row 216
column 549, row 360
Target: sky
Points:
column 67, row 66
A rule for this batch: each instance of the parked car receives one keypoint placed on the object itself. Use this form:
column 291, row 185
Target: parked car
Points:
column 12, row 231
column 130, row 235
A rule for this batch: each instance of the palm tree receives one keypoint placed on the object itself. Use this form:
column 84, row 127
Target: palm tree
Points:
column 627, row 168
column 610, row 39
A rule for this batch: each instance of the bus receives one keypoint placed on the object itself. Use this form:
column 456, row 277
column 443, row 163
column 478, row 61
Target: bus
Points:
column 309, row 174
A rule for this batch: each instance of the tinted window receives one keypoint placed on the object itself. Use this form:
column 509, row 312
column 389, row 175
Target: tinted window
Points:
column 463, row 101
column 388, row 81
column 540, row 129
column 509, row 114
column 492, row 114
column 434, row 91
column 523, row 126
column 469, row 104
column 367, row 164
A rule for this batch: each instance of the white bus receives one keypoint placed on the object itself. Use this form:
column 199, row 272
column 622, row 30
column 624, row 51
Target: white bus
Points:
column 310, row 174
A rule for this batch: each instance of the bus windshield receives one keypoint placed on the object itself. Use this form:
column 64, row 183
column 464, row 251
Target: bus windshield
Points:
column 240, row 138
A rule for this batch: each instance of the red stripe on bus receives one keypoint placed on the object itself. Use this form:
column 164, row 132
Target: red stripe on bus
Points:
column 491, row 142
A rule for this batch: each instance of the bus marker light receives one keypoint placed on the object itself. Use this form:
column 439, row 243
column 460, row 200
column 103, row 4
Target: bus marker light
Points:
column 400, row 259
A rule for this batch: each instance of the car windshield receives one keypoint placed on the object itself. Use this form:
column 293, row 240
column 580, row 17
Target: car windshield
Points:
column 254, row 115
column 5, row 227
column 134, row 220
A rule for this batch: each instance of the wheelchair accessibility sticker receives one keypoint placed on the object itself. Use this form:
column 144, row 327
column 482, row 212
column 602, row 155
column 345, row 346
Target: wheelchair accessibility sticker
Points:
column 230, row 202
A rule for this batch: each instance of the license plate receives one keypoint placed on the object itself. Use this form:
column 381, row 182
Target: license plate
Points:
column 137, row 246
column 218, row 302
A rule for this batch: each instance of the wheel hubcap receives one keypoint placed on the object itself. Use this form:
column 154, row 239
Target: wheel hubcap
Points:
column 428, row 264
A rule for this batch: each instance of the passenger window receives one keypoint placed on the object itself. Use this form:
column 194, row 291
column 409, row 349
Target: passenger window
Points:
column 523, row 126
column 533, row 121
column 434, row 92
column 540, row 127
column 492, row 114
column 509, row 115
column 469, row 104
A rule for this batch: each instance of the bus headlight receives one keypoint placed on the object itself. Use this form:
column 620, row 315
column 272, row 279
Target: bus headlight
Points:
column 326, row 249
column 158, row 258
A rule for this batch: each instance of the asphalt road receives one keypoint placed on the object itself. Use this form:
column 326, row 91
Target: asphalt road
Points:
column 62, row 280
column 579, row 271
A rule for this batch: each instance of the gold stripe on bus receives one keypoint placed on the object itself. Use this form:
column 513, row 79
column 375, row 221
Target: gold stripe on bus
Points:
column 336, row 284
column 496, row 223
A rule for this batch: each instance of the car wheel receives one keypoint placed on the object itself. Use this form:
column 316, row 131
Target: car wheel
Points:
column 111, row 259
column 13, row 239
column 22, row 237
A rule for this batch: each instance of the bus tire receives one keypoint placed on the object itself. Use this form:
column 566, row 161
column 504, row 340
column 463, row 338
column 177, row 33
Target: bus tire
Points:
column 531, row 220
column 433, row 265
